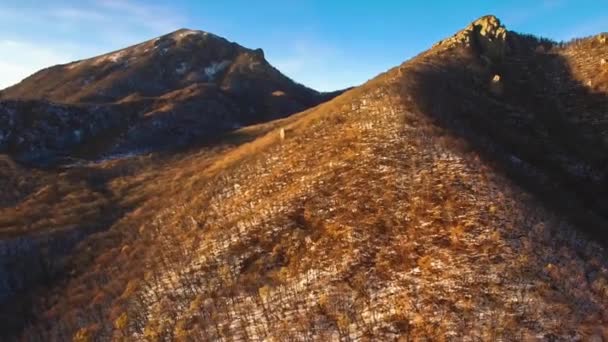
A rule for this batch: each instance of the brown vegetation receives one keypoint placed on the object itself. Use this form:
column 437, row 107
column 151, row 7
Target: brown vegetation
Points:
column 383, row 214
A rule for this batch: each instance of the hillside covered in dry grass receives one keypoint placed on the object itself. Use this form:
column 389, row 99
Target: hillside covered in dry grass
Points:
column 458, row 196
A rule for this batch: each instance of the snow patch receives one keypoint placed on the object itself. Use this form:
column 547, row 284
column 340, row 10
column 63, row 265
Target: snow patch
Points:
column 181, row 68
column 122, row 155
column 214, row 68
column 87, row 81
column 114, row 58
column 187, row 33
column 78, row 135
column 515, row 160
column 73, row 65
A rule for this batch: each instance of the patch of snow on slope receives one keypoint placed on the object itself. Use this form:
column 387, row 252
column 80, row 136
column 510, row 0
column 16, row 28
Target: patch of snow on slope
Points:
column 214, row 68
column 114, row 57
column 181, row 68
column 187, row 33
column 72, row 65
column 120, row 155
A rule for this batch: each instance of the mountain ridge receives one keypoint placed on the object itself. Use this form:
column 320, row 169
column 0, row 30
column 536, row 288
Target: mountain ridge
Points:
column 170, row 91
column 410, row 207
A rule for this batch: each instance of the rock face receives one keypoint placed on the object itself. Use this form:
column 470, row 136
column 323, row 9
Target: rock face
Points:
column 486, row 34
column 170, row 90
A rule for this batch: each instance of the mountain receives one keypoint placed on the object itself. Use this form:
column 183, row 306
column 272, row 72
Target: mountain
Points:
column 536, row 107
column 457, row 196
column 172, row 90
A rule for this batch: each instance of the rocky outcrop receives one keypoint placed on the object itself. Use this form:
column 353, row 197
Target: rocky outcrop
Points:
column 486, row 34
column 547, row 108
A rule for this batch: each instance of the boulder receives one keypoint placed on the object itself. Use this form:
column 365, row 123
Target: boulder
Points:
column 496, row 86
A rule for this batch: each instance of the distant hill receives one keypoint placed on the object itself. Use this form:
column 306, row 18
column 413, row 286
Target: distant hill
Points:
column 168, row 91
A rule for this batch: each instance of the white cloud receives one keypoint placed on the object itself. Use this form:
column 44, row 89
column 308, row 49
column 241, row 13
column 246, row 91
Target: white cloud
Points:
column 55, row 32
column 19, row 59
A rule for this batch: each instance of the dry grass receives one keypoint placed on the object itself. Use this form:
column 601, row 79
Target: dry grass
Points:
column 369, row 221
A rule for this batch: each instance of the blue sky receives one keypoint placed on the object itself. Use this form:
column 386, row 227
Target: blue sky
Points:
column 324, row 44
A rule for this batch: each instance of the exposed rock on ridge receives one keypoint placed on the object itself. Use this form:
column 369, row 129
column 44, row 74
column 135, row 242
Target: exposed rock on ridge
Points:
column 486, row 34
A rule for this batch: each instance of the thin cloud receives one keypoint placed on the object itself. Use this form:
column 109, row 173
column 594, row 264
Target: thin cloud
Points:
column 154, row 17
column 77, row 14
column 590, row 27
column 18, row 59
column 55, row 32
column 518, row 16
column 318, row 64
column 303, row 55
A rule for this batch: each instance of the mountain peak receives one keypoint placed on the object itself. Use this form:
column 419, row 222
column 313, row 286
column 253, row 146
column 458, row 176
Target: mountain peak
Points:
column 486, row 34
column 187, row 81
column 182, row 32
column 488, row 26
column 185, row 29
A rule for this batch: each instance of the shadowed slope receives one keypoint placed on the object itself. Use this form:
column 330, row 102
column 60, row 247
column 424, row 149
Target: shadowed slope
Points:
column 537, row 108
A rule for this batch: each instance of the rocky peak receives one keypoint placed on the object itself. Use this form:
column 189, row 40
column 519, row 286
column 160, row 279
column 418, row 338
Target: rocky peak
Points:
column 259, row 52
column 486, row 34
column 185, row 32
column 489, row 27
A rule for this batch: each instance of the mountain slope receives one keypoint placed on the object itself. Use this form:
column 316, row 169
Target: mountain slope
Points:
column 537, row 108
column 406, row 208
column 160, row 66
column 170, row 91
